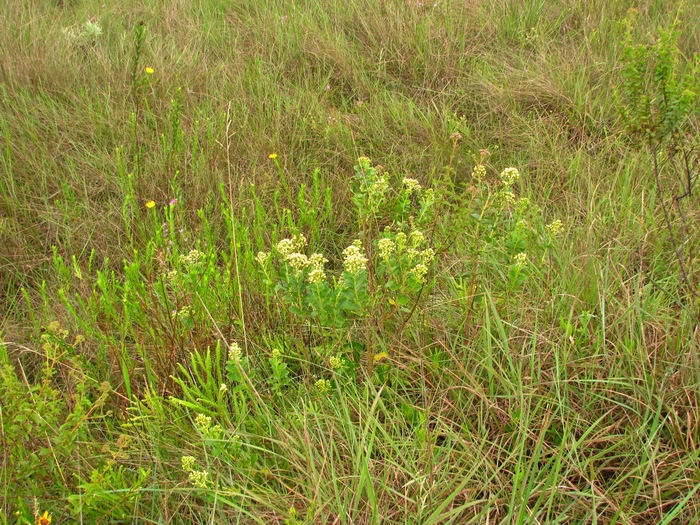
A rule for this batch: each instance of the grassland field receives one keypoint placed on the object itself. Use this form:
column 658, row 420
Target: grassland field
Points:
column 349, row 263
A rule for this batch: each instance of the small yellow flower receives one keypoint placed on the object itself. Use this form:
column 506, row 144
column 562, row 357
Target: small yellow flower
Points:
column 44, row 519
column 272, row 156
column 149, row 70
column 380, row 357
column 150, row 204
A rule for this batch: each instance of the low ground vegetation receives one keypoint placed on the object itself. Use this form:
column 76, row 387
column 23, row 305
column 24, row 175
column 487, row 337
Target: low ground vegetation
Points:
column 349, row 262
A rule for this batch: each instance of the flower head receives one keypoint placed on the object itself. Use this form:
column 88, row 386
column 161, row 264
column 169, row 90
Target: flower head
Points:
column 202, row 422
column 427, row 255
column 378, row 187
column 523, row 204
column 386, row 247
column 298, row 261
column 355, row 261
column 323, row 386
column 510, row 176
column 554, row 228
column 478, row 173
column 150, row 204
column 234, row 352
column 192, row 258
column 401, row 241
column 272, row 156
column 198, row 478
column 364, row 163
column 44, row 519
column 417, row 238
column 317, row 276
column 149, row 70
column 317, row 260
column 187, row 463
column 419, row 272
column 336, row 362
column 287, row 246
column 411, row 185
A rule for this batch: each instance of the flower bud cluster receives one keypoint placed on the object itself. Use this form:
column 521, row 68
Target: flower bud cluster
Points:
column 192, row 258
column 510, row 176
column 520, row 259
column 298, row 261
column 317, row 274
column 386, row 247
column 336, row 362
column 234, row 352
column 555, row 227
column 355, row 261
column 378, row 187
column 419, row 271
column 411, row 186
column 202, row 422
column 287, row 246
column 323, row 386
column 198, row 478
column 478, row 173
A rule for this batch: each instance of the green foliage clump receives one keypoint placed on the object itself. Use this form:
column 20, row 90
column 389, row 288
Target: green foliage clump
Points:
column 47, row 417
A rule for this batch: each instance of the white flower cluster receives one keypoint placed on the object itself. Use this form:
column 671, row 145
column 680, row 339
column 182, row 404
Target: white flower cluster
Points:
column 317, row 274
column 504, row 198
column 262, row 258
column 89, row 31
column 198, row 478
column 192, row 258
column 401, row 241
column 417, row 238
column 478, row 173
column 427, row 255
column 523, row 204
column 378, row 187
column 386, row 247
column 234, row 352
column 287, row 246
column 423, row 256
column 355, row 261
column 411, row 185
column 510, row 176
column 419, row 271
column 298, row 261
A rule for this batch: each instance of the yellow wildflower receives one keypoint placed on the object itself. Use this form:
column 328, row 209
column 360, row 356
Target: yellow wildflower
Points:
column 44, row 519
column 272, row 156
column 380, row 357
column 149, row 70
column 150, row 204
